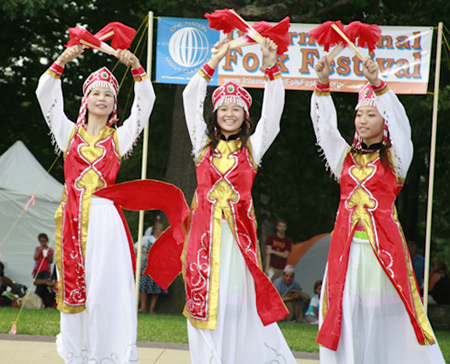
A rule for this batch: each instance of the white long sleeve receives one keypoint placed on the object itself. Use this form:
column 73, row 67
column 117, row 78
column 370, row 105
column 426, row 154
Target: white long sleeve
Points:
column 395, row 116
column 329, row 139
column 144, row 99
column 50, row 98
column 268, row 125
column 193, row 101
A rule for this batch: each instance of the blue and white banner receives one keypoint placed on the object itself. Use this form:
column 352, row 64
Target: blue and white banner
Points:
column 402, row 53
column 182, row 47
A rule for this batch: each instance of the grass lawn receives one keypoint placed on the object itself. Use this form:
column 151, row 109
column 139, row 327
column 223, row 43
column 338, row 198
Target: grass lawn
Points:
column 169, row 328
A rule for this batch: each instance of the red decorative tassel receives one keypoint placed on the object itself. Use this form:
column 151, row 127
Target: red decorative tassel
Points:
column 121, row 35
column 13, row 330
column 226, row 20
column 325, row 35
column 77, row 33
column 368, row 35
column 279, row 33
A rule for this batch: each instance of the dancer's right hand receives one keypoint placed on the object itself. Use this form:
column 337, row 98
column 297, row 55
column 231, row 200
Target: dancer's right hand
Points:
column 69, row 54
column 323, row 71
column 221, row 49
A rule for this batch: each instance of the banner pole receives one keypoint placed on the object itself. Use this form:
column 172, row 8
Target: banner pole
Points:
column 432, row 167
column 144, row 158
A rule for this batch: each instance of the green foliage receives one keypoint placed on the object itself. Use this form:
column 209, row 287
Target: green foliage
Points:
column 292, row 182
column 170, row 328
column 162, row 328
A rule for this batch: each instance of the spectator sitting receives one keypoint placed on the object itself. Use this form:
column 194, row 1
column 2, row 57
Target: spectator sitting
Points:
column 278, row 247
column 292, row 295
column 312, row 313
column 43, row 256
column 46, row 289
column 5, row 282
column 440, row 283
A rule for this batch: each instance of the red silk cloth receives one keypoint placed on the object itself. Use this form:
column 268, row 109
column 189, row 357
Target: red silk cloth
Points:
column 164, row 256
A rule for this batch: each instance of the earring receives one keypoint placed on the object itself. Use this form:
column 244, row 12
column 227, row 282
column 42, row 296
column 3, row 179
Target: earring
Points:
column 216, row 132
column 386, row 135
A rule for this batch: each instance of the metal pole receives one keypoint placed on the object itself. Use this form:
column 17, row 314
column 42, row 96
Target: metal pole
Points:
column 144, row 158
column 432, row 166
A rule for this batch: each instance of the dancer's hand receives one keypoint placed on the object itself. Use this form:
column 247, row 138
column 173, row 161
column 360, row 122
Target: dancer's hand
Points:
column 323, row 71
column 69, row 54
column 127, row 58
column 371, row 71
column 221, row 49
column 269, row 52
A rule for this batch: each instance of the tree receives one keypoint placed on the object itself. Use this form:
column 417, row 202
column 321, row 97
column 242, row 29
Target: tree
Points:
column 291, row 182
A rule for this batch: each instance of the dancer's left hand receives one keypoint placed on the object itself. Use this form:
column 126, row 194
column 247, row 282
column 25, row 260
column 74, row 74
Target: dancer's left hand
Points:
column 269, row 52
column 127, row 58
column 371, row 71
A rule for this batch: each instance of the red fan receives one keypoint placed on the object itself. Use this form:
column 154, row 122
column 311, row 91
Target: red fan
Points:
column 227, row 19
column 368, row 35
column 78, row 35
column 325, row 35
column 121, row 35
column 278, row 33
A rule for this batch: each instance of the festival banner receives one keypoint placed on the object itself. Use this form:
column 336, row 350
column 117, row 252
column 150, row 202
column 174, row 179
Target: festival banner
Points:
column 402, row 53
column 182, row 47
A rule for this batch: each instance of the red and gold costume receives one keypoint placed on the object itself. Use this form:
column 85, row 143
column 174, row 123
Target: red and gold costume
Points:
column 93, row 252
column 89, row 165
column 371, row 309
column 232, row 307
column 224, row 187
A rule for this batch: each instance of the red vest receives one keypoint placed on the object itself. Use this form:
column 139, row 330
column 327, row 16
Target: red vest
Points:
column 224, row 183
column 368, row 194
column 89, row 165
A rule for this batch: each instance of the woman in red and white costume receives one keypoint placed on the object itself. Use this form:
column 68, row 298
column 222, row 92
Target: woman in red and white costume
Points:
column 371, row 311
column 231, row 306
column 94, row 254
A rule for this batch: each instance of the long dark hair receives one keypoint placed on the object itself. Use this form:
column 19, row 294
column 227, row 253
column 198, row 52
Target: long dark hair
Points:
column 213, row 132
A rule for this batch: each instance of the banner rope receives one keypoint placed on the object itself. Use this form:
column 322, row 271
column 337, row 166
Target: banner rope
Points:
column 32, row 197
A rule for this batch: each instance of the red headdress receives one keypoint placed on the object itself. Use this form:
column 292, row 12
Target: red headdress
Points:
column 101, row 78
column 232, row 92
column 367, row 97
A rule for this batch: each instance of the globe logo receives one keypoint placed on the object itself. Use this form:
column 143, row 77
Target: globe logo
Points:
column 188, row 47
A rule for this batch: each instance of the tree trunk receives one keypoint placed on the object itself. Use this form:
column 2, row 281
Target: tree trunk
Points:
column 180, row 166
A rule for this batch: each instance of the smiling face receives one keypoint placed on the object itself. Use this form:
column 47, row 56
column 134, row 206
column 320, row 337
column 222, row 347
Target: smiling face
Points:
column 230, row 118
column 369, row 125
column 100, row 102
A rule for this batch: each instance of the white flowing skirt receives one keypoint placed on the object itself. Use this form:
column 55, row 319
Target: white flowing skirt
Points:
column 105, row 332
column 376, row 328
column 240, row 337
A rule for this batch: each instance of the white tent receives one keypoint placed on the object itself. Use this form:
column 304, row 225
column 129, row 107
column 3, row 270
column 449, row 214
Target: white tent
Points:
column 21, row 177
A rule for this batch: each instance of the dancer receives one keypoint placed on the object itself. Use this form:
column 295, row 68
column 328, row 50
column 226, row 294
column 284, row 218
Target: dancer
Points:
column 229, row 298
column 370, row 310
column 93, row 251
